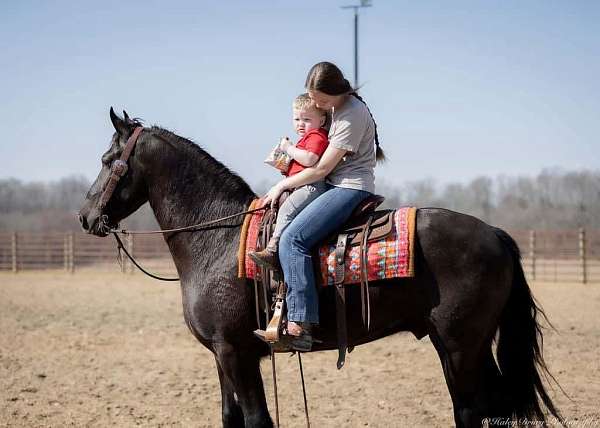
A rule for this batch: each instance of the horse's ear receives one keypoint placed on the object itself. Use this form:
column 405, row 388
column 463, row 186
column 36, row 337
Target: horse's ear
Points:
column 119, row 124
column 126, row 116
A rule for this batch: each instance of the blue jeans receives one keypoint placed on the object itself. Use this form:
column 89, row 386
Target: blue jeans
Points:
column 317, row 221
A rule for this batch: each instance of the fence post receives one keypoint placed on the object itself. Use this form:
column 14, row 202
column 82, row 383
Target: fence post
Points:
column 14, row 250
column 71, row 253
column 66, row 252
column 582, row 257
column 532, row 253
column 130, row 248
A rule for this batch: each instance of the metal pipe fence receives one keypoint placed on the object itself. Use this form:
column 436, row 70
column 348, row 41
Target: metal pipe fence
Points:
column 548, row 256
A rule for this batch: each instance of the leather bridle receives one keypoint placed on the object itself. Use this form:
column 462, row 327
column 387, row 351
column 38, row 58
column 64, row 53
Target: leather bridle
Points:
column 118, row 169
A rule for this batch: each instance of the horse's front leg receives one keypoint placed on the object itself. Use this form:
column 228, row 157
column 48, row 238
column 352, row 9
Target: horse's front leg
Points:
column 231, row 410
column 241, row 370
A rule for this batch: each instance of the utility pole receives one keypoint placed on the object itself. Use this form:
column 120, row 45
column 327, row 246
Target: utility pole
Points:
column 363, row 3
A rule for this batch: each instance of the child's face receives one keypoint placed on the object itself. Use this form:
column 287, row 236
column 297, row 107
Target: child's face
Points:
column 306, row 120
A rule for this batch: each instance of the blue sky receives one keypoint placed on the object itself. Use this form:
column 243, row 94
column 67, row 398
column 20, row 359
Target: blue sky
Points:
column 459, row 89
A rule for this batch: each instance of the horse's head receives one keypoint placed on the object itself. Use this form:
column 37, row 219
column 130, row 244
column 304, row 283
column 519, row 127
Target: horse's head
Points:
column 130, row 192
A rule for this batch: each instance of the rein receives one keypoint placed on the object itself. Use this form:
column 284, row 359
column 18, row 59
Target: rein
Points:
column 199, row 226
column 194, row 227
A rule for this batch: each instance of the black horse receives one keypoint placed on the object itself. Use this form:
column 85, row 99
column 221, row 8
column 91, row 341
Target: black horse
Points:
column 469, row 288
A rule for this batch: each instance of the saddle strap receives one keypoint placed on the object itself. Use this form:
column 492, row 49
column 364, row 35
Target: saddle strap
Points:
column 257, row 302
column 340, row 319
column 340, row 300
column 340, row 257
column 364, row 276
column 263, row 238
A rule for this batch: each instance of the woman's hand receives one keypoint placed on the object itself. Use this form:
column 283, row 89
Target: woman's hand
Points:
column 285, row 144
column 272, row 196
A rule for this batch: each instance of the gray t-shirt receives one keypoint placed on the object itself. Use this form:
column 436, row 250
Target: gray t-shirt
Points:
column 353, row 129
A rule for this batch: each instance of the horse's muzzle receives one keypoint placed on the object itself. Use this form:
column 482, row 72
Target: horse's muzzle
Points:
column 95, row 226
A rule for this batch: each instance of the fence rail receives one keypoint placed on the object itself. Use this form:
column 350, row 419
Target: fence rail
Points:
column 553, row 256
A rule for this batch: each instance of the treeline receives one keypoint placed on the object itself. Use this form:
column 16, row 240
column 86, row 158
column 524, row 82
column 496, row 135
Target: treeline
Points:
column 554, row 199
column 53, row 206
column 38, row 206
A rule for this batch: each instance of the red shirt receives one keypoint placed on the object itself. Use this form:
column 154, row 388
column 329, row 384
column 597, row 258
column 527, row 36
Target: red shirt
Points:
column 314, row 141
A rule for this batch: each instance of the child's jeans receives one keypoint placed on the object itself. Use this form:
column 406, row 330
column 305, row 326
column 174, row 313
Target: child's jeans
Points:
column 296, row 202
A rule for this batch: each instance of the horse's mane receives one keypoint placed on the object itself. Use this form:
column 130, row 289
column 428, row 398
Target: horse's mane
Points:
column 195, row 155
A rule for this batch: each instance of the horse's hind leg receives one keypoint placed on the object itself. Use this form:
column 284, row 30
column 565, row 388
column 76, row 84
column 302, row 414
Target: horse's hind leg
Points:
column 231, row 410
column 241, row 368
column 498, row 408
column 465, row 372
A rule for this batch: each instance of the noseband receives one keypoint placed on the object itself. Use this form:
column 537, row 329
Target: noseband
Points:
column 118, row 170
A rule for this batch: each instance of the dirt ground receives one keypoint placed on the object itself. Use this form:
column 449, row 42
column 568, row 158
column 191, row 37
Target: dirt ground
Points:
column 104, row 349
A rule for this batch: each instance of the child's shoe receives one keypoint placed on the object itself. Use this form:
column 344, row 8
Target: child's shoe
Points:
column 266, row 258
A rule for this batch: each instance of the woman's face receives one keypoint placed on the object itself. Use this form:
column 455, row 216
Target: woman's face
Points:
column 326, row 102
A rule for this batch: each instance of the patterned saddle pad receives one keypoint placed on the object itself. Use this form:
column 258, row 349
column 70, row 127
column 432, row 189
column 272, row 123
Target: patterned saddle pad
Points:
column 390, row 257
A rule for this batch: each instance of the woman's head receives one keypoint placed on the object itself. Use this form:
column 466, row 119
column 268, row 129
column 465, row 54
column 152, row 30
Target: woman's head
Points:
column 327, row 78
column 327, row 86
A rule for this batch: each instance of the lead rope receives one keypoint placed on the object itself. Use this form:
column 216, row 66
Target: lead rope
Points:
column 303, row 390
column 120, row 247
column 275, row 387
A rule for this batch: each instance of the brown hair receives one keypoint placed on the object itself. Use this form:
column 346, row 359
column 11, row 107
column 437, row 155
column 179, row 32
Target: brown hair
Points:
column 327, row 78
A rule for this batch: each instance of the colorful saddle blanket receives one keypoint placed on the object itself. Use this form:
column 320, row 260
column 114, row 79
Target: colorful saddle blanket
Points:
column 390, row 257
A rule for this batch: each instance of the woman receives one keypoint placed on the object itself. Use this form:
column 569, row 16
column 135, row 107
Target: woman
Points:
column 348, row 166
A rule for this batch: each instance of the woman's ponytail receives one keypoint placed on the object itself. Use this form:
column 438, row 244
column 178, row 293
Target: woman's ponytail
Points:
column 379, row 154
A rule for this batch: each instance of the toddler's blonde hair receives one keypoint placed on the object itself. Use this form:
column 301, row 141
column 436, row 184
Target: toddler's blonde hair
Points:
column 304, row 102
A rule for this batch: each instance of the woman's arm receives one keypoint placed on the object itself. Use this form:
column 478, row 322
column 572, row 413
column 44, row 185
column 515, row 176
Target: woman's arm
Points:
column 303, row 157
column 328, row 161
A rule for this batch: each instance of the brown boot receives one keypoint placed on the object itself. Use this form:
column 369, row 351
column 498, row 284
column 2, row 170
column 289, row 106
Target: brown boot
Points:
column 302, row 342
column 266, row 258
column 288, row 342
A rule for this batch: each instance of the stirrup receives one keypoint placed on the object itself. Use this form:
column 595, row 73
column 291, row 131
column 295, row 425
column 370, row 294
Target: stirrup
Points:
column 272, row 333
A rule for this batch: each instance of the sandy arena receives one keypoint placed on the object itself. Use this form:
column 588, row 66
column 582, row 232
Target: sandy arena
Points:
column 106, row 349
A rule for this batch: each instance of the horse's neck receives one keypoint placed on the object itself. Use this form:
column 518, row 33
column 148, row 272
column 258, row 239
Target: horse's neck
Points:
column 197, row 201
column 183, row 193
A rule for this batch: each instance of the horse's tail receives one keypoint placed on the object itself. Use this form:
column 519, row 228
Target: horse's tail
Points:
column 520, row 345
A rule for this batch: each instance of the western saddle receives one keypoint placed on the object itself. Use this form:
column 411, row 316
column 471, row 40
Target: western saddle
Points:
column 365, row 225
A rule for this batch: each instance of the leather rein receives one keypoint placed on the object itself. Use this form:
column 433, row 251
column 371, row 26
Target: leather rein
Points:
column 118, row 170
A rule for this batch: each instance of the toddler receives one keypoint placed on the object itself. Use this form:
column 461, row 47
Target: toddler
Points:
column 309, row 122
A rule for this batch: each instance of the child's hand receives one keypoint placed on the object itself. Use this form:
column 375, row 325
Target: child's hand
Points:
column 285, row 144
